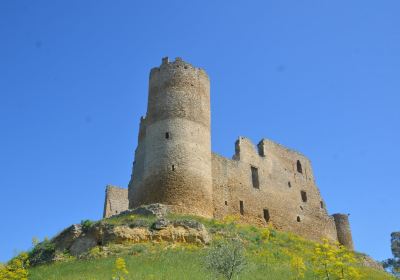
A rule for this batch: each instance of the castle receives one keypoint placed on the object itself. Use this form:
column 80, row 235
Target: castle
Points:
column 174, row 165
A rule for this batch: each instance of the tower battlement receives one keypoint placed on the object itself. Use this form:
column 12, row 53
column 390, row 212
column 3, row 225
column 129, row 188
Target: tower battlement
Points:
column 178, row 66
column 265, row 184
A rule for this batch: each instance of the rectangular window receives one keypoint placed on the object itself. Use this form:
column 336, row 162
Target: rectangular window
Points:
column 303, row 196
column 266, row 215
column 254, row 177
column 167, row 135
column 241, row 208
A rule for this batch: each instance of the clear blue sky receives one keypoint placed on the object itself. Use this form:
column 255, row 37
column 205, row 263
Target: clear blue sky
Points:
column 321, row 77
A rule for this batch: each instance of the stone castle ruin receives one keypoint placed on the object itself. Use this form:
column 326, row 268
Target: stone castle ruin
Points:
column 174, row 165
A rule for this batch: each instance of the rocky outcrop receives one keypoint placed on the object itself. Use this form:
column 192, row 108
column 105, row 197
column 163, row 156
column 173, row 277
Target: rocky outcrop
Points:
column 67, row 237
column 156, row 209
column 78, row 240
column 370, row 262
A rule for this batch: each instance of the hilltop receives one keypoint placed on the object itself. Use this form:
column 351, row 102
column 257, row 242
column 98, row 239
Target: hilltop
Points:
column 157, row 245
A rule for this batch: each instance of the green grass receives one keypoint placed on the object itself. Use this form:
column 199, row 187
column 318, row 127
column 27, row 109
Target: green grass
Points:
column 267, row 257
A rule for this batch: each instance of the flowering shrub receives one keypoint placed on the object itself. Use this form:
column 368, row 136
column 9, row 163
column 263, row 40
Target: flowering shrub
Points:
column 120, row 269
column 334, row 261
column 15, row 269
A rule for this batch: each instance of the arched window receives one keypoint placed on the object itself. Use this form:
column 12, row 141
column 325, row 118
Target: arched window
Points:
column 299, row 168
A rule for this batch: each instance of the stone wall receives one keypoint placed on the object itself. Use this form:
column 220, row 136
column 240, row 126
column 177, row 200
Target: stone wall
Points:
column 270, row 184
column 173, row 158
column 343, row 230
column 116, row 201
column 173, row 165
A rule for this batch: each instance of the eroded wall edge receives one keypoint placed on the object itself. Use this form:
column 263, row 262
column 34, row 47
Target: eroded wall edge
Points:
column 116, row 201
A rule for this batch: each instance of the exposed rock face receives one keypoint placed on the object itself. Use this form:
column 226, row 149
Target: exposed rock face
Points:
column 82, row 244
column 156, row 209
column 160, row 224
column 170, row 232
column 370, row 262
column 78, row 241
column 66, row 238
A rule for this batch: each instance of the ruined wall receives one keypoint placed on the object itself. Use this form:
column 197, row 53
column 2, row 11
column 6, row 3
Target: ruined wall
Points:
column 343, row 230
column 173, row 158
column 174, row 165
column 284, row 193
column 116, row 201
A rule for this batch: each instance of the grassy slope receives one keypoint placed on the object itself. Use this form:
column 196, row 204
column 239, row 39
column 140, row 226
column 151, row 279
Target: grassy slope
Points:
column 267, row 258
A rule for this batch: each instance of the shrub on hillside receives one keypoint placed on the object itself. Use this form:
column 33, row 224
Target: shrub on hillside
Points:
column 43, row 252
column 86, row 224
column 16, row 268
column 334, row 261
column 226, row 258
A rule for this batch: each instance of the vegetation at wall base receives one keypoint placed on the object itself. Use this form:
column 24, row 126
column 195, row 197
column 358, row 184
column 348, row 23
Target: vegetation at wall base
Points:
column 261, row 253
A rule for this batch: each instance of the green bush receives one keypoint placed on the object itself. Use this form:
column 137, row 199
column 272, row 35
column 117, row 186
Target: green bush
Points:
column 226, row 258
column 42, row 253
column 86, row 224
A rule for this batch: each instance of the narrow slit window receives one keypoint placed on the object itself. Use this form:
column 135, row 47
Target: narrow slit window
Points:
column 298, row 219
column 166, row 135
column 303, row 196
column 289, row 184
column 322, row 204
column 299, row 168
column 173, row 167
column 254, row 177
column 226, row 203
column 241, row 208
column 266, row 215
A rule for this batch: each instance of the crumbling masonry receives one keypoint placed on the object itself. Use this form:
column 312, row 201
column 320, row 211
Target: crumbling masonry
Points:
column 174, row 165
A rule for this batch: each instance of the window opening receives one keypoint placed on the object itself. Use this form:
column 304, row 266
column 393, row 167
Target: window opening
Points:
column 241, row 208
column 303, row 196
column 254, row 177
column 266, row 215
column 299, row 168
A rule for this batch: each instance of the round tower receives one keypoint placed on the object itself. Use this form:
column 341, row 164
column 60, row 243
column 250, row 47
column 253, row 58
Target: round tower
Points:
column 343, row 230
column 177, row 150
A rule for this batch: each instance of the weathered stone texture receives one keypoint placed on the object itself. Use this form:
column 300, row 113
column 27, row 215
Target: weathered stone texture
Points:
column 174, row 153
column 173, row 165
column 277, row 198
column 116, row 201
column 343, row 230
column 78, row 241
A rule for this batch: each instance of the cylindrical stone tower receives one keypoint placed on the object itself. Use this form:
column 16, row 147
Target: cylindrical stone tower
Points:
column 177, row 144
column 343, row 230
